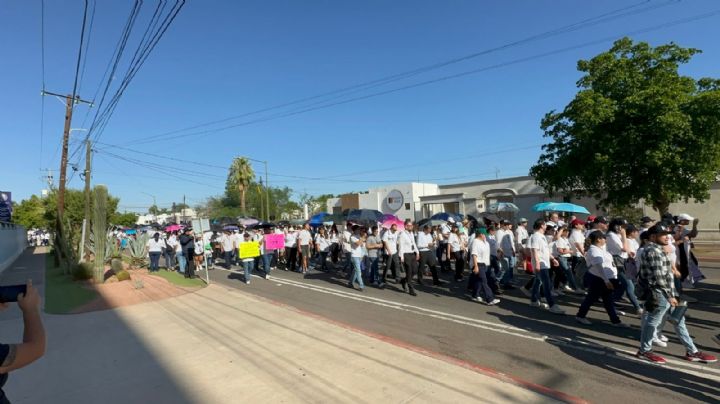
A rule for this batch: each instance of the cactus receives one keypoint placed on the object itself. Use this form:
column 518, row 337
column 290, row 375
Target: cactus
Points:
column 123, row 275
column 99, row 228
column 116, row 265
column 138, row 250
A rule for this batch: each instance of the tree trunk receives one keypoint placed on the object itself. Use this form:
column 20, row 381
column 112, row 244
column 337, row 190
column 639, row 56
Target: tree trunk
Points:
column 242, row 200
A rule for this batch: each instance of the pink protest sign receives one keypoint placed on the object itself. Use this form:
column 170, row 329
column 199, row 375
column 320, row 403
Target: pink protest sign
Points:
column 274, row 241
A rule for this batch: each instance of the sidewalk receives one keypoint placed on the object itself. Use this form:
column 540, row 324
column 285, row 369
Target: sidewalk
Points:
column 221, row 345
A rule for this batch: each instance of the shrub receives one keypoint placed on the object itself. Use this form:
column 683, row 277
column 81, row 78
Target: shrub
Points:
column 82, row 271
column 123, row 275
column 116, row 265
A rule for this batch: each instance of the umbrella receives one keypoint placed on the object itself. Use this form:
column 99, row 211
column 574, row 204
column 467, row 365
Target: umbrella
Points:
column 263, row 225
column 388, row 216
column 318, row 218
column 283, row 223
column 231, row 227
column 173, row 227
column 247, row 221
column 446, row 216
column 430, row 222
column 388, row 223
column 503, row 207
column 491, row 217
column 296, row 222
column 559, row 207
column 364, row 216
column 130, row 231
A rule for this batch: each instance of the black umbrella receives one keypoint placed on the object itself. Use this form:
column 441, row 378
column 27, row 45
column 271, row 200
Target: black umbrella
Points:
column 263, row 225
column 364, row 216
column 491, row 217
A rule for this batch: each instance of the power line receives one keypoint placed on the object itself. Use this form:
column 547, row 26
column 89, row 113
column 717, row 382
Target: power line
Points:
column 87, row 44
column 80, row 48
column 602, row 18
column 42, row 65
column 436, row 80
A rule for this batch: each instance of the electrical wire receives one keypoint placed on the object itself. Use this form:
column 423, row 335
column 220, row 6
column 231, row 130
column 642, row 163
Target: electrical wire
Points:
column 87, row 45
column 602, row 18
column 437, row 80
column 80, row 48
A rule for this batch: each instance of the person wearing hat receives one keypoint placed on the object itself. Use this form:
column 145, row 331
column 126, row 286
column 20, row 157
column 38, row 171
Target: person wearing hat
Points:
column 541, row 261
column 687, row 262
column 577, row 246
column 442, row 248
column 645, row 223
column 479, row 265
column 656, row 280
column 187, row 244
column 598, row 223
column 618, row 246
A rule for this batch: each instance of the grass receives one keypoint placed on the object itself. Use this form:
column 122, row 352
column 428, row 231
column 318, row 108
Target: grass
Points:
column 62, row 294
column 179, row 279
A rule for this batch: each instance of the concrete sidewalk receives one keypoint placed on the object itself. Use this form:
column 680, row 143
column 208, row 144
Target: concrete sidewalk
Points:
column 221, row 345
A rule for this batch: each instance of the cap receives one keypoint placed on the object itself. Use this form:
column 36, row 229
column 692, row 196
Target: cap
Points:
column 646, row 219
column 188, row 228
column 591, row 218
column 451, row 220
column 576, row 222
column 659, row 229
column 522, row 220
column 550, row 225
column 685, row 216
column 504, row 222
column 481, row 230
column 601, row 219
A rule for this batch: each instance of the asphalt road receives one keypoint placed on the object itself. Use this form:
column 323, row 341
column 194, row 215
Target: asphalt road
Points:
column 594, row 362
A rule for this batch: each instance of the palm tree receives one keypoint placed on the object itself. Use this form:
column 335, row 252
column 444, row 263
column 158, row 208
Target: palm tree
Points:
column 240, row 175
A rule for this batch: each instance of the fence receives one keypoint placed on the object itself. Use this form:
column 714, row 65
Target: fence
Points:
column 13, row 241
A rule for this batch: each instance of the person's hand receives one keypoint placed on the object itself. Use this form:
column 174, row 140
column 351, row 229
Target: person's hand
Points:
column 555, row 262
column 417, row 257
column 609, row 285
column 3, row 306
column 696, row 221
column 622, row 231
column 475, row 269
column 673, row 302
column 30, row 300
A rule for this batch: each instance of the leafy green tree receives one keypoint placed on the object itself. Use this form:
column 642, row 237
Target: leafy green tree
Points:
column 153, row 210
column 240, row 176
column 30, row 213
column 127, row 219
column 636, row 129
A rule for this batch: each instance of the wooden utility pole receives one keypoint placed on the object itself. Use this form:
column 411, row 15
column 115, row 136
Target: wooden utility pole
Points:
column 64, row 158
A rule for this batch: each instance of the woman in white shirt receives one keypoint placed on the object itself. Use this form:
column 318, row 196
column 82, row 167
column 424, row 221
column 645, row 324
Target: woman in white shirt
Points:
column 562, row 252
column 322, row 246
column 599, row 279
column 155, row 246
column 618, row 245
column 455, row 246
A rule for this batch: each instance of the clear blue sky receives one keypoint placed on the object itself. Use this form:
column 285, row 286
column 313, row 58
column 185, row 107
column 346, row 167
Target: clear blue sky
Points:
column 226, row 58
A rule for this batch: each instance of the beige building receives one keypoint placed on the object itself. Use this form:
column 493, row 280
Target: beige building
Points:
column 417, row 201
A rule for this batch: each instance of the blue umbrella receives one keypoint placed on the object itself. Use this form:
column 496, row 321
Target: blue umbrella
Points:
column 446, row 216
column 560, row 207
column 318, row 219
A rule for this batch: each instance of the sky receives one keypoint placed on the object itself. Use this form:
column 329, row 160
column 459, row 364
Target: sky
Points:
column 221, row 60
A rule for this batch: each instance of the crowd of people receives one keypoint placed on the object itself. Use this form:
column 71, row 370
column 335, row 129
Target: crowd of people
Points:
column 37, row 238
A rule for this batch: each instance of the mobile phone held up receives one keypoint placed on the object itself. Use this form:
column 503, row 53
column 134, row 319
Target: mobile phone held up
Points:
column 10, row 294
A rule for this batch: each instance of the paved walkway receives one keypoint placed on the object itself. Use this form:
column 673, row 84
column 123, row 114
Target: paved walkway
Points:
column 221, row 345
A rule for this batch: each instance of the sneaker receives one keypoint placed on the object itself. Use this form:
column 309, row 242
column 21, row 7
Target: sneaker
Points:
column 663, row 338
column 651, row 357
column 554, row 309
column 700, row 357
column 567, row 288
column 659, row 342
column 492, row 303
column 583, row 320
column 381, row 285
column 621, row 325
column 527, row 292
column 639, row 311
column 621, row 313
column 476, row 299
column 247, row 282
column 579, row 291
column 539, row 304
column 716, row 338
column 267, row 276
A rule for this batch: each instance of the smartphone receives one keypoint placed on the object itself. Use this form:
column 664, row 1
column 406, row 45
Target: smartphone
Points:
column 10, row 293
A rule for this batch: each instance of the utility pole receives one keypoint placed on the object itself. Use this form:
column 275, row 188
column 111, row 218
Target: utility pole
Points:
column 267, row 194
column 69, row 103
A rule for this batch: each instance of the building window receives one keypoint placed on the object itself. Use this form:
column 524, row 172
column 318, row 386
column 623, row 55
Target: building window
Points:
column 407, row 206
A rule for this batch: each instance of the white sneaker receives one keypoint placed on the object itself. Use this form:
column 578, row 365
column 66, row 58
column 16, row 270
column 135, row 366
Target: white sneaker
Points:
column 659, row 342
column 567, row 288
column 662, row 338
column 621, row 313
column 579, row 291
column 583, row 320
column 476, row 299
column 539, row 304
column 556, row 310
column 493, row 303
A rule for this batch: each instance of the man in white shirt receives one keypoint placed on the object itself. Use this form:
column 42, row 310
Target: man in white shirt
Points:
column 541, row 261
column 357, row 245
column 389, row 240
column 226, row 241
column 409, row 256
column 479, row 264
column 426, row 246
column 521, row 236
column 304, row 240
column 291, row 250
column 345, row 238
column 506, row 245
column 442, row 245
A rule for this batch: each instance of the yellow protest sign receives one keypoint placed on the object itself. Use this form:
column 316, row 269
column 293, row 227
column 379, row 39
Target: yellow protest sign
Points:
column 249, row 249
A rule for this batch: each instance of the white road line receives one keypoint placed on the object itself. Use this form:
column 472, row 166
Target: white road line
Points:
column 698, row 370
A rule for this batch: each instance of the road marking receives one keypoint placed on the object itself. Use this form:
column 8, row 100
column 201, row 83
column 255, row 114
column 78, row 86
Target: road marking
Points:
column 698, row 370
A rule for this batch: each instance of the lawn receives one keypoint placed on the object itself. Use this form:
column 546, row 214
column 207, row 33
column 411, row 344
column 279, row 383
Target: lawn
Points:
column 179, row 279
column 62, row 294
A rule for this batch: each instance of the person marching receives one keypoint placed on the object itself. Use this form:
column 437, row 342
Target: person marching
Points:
column 479, row 264
column 409, row 256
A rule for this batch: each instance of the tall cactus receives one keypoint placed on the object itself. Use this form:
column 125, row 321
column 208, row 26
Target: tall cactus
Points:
column 99, row 227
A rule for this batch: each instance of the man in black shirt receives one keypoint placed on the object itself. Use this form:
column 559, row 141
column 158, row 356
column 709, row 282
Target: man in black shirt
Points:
column 16, row 356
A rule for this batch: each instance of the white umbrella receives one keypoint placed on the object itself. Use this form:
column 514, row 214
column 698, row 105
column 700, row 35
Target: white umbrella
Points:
column 503, row 207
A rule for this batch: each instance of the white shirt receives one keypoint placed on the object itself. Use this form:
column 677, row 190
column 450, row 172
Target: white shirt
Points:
column 576, row 237
column 445, row 231
column 506, row 242
column 322, row 243
column 480, row 249
column 406, row 243
column 390, row 239
column 155, row 246
column 423, row 241
column 454, row 241
column 600, row 263
column 559, row 244
column 291, row 239
column 304, row 237
column 539, row 242
column 615, row 245
column 521, row 234
column 357, row 250
column 346, row 240
column 227, row 242
column 633, row 246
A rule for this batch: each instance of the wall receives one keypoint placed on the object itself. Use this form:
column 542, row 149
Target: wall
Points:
column 13, row 241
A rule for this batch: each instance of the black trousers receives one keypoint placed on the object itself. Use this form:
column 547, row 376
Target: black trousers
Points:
column 444, row 265
column 428, row 258
column 291, row 257
column 459, row 264
column 480, row 281
column 392, row 263
column 411, row 266
column 190, row 256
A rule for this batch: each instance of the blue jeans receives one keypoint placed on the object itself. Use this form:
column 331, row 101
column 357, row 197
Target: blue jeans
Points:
column 374, row 269
column 651, row 321
column 479, row 281
column 356, row 274
column 322, row 257
column 542, row 278
column 155, row 261
column 182, row 262
column 629, row 287
column 248, row 268
column 569, row 277
column 507, row 266
column 267, row 259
